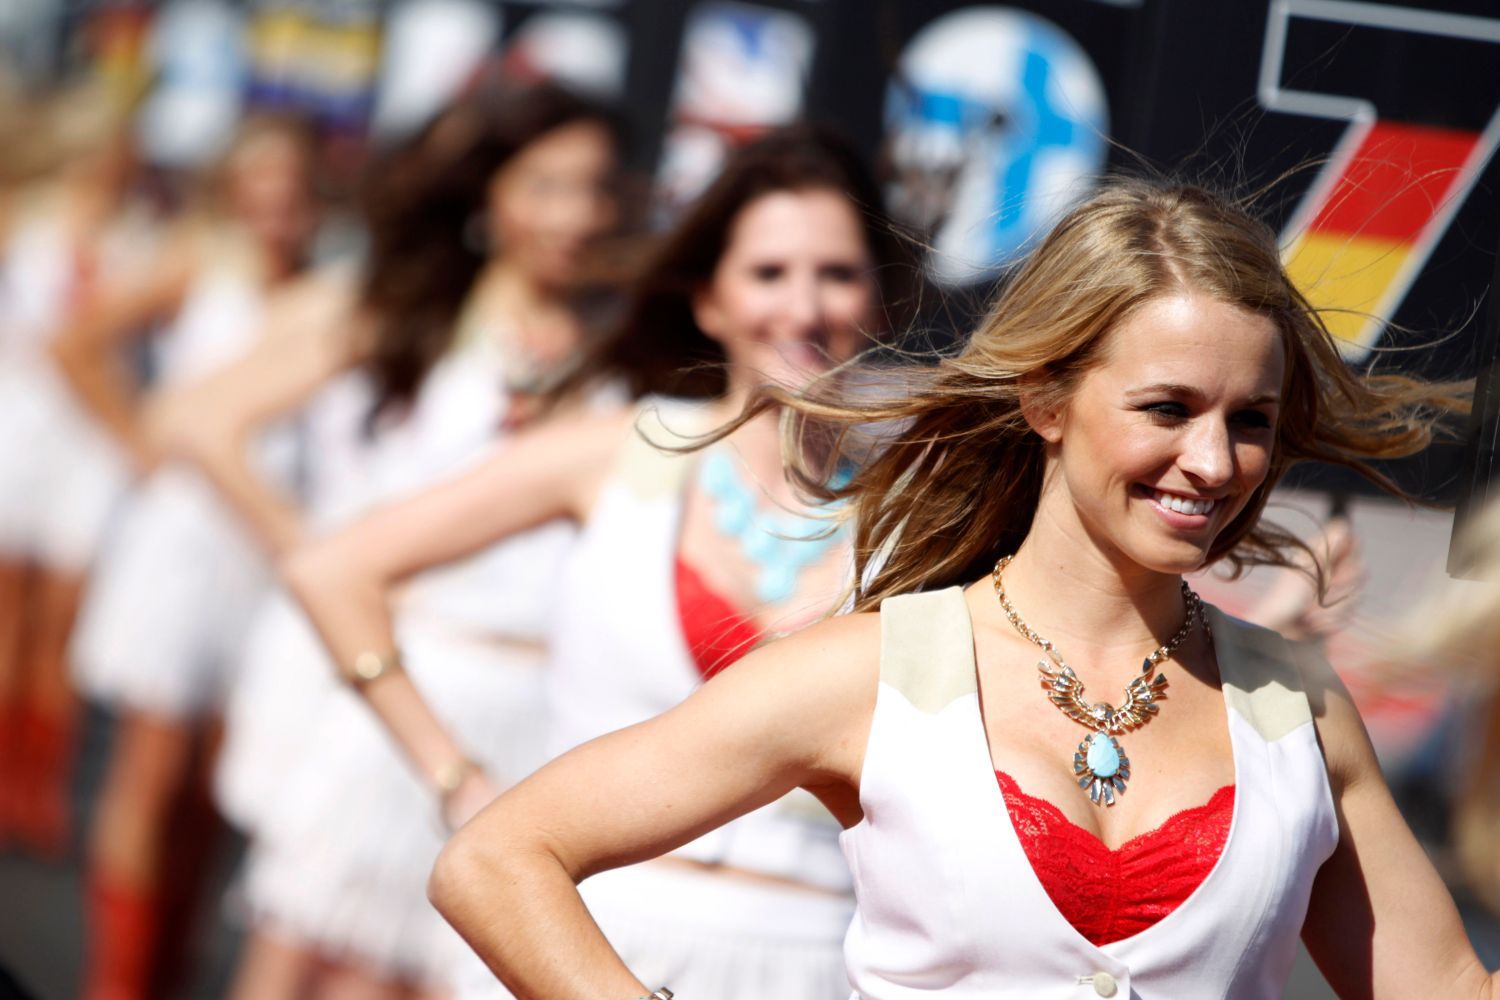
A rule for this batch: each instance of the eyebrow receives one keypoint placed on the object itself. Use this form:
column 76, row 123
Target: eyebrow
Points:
column 1176, row 389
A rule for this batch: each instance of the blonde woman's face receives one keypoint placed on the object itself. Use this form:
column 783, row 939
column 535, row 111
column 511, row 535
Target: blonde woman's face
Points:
column 1165, row 440
column 793, row 292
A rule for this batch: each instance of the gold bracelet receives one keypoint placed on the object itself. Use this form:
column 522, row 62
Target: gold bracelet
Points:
column 371, row 666
column 449, row 776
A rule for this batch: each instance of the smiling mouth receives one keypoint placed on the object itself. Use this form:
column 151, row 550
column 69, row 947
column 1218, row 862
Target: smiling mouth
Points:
column 1183, row 505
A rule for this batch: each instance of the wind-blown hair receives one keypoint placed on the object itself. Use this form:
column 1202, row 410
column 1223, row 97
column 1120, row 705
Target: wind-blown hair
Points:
column 949, row 473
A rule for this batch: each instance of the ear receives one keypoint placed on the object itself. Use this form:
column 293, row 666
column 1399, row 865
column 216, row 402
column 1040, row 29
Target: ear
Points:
column 707, row 312
column 1042, row 413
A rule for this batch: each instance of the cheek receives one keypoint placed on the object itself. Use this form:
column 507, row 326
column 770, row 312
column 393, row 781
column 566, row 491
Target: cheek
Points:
column 747, row 310
column 1253, row 459
column 851, row 305
column 509, row 226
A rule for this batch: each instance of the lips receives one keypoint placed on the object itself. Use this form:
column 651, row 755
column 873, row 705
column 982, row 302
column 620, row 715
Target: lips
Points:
column 1184, row 505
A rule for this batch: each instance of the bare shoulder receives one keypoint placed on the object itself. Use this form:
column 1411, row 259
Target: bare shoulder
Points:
column 323, row 298
column 595, row 436
column 590, row 441
column 820, row 682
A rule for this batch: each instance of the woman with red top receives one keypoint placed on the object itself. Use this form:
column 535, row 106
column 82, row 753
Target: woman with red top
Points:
column 1023, row 517
column 682, row 561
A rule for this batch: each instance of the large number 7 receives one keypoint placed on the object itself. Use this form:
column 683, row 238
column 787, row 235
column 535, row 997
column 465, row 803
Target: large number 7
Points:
column 1367, row 225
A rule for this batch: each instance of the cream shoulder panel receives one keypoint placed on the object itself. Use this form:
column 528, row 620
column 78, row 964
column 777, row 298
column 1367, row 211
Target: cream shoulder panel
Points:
column 646, row 467
column 927, row 648
column 1262, row 681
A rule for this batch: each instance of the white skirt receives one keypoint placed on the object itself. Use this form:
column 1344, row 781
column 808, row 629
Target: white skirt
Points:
column 275, row 702
column 710, row 936
column 169, row 602
column 61, row 474
column 344, row 843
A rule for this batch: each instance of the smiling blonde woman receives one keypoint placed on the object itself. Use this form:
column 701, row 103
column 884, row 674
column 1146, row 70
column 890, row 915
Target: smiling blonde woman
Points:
column 1058, row 772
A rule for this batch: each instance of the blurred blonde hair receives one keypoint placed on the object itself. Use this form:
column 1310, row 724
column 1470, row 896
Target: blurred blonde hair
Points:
column 948, row 471
column 79, row 120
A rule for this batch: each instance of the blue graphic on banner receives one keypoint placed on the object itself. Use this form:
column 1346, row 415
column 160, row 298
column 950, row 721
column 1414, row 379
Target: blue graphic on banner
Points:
column 997, row 122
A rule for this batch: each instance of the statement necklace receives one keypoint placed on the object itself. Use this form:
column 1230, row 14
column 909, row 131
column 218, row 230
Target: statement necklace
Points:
column 780, row 543
column 1099, row 763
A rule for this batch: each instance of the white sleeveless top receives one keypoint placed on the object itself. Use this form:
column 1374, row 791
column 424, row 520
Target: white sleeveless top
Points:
column 619, row 656
column 947, row 899
column 218, row 320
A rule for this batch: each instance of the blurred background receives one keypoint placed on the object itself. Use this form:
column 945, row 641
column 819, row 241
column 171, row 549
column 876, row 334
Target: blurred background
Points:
column 1367, row 128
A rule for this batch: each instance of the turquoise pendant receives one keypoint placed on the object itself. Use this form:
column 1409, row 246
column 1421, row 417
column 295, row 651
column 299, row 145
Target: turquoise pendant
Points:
column 1101, row 767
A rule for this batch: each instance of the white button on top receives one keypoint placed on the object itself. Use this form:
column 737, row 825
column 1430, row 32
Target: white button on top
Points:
column 1104, row 984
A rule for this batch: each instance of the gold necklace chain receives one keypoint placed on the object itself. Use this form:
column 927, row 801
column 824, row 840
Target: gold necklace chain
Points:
column 1190, row 598
column 1099, row 763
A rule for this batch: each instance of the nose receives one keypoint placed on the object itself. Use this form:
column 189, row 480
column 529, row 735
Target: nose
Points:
column 803, row 306
column 1208, row 453
column 585, row 211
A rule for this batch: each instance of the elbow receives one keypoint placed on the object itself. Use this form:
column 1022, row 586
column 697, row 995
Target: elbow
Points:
column 305, row 569
column 458, row 876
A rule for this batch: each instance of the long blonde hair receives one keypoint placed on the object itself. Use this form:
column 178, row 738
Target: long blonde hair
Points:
column 948, row 471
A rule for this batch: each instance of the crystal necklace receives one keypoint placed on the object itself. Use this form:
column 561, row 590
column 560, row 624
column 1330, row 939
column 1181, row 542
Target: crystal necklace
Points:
column 1099, row 763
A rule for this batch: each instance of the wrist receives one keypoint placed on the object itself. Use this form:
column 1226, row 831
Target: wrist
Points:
column 448, row 780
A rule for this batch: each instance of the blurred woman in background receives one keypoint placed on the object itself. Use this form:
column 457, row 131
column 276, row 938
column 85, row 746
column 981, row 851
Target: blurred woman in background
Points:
column 683, row 561
column 176, row 578
column 466, row 312
column 67, row 239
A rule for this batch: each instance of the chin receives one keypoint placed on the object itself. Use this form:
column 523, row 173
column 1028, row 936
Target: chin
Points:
column 1172, row 559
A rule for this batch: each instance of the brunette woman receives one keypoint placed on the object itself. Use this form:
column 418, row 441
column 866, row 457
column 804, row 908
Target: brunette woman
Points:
column 400, row 375
column 1024, row 812
column 682, row 562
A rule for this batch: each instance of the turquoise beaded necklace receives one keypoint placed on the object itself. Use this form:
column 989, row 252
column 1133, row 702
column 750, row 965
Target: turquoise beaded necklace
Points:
column 780, row 543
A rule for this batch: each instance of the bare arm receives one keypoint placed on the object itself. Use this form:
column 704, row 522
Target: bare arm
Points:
column 87, row 348
column 343, row 581
column 507, row 880
column 309, row 338
column 1381, row 923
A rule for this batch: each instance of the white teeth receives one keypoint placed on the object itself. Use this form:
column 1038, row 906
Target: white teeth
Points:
column 1182, row 505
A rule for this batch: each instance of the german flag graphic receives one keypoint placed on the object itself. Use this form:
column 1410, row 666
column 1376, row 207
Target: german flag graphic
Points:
column 1421, row 98
column 1370, row 229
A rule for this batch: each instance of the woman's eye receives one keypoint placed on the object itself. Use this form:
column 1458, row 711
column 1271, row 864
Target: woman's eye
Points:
column 1253, row 418
column 767, row 272
column 1166, row 411
column 841, row 273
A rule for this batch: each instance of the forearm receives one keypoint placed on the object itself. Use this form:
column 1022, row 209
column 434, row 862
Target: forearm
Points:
column 347, row 605
column 521, row 912
column 273, row 517
column 105, row 387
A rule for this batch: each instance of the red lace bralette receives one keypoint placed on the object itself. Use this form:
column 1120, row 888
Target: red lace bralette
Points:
column 1108, row 895
column 717, row 633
